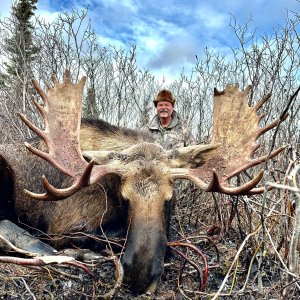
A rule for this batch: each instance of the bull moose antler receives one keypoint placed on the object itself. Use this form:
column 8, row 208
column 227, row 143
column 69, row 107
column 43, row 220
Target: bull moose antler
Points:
column 62, row 115
column 236, row 129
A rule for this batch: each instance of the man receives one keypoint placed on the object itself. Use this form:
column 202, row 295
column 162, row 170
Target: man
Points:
column 168, row 130
column 166, row 126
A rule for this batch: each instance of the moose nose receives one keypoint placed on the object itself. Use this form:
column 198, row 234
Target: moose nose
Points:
column 143, row 264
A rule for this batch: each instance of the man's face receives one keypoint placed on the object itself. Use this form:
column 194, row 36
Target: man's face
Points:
column 164, row 109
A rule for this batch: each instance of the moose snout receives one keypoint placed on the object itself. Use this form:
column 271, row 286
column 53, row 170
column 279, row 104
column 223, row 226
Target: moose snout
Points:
column 143, row 263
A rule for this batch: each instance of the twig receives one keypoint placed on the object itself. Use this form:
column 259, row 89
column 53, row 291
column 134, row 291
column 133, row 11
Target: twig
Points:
column 116, row 260
column 120, row 276
column 282, row 117
column 294, row 255
column 189, row 261
column 234, row 261
column 59, row 272
column 279, row 256
column 250, row 266
column 207, row 238
column 28, row 289
column 81, row 266
column 199, row 252
column 284, row 187
column 234, row 276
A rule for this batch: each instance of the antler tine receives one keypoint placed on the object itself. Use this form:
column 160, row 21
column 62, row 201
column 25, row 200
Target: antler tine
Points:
column 180, row 173
column 54, row 194
column 35, row 129
column 257, row 161
column 40, row 91
column 62, row 116
column 55, row 81
column 273, row 124
column 40, row 109
column 67, row 76
column 245, row 189
column 215, row 184
column 44, row 155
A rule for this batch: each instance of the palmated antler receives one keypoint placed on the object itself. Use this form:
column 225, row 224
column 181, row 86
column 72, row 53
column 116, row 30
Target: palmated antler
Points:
column 236, row 129
column 62, row 116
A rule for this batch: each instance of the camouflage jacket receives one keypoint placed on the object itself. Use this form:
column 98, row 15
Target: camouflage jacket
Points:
column 175, row 135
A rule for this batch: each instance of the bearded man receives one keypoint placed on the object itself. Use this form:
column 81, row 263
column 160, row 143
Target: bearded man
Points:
column 166, row 126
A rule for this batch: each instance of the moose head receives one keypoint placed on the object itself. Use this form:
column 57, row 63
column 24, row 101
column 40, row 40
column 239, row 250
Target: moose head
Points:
column 140, row 173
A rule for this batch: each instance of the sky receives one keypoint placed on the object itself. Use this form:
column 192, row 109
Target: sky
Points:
column 168, row 34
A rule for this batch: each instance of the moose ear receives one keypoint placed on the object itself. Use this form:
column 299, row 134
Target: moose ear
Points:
column 191, row 156
column 99, row 157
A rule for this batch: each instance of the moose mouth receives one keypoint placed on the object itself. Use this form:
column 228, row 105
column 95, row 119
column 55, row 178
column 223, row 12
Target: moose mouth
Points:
column 143, row 260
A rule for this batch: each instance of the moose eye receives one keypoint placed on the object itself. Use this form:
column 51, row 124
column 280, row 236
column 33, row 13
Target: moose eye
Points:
column 126, row 201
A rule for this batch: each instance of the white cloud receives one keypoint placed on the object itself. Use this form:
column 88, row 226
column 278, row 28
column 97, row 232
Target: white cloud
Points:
column 151, row 43
column 47, row 16
column 210, row 18
column 179, row 51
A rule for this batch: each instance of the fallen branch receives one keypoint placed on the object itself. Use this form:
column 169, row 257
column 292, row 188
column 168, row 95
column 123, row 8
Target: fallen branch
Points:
column 44, row 260
column 199, row 252
column 180, row 253
column 120, row 277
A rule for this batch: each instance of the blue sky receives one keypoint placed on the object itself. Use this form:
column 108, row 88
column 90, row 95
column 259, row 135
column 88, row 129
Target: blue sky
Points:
column 169, row 34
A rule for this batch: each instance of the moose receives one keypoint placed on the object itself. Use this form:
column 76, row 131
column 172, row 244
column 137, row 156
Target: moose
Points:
column 93, row 177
